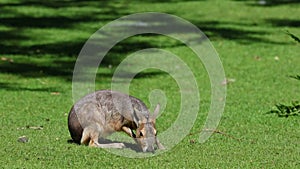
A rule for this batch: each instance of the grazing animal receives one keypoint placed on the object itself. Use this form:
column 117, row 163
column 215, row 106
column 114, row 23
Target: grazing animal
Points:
column 103, row 112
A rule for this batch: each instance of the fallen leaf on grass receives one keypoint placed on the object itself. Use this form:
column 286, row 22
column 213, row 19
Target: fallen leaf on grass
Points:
column 55, row 93
column 7, row 59
column 3, row 58
column 258, row 58
column 31, row 127
column 227, row 81
column 36, row 127
column 192, row 141
column 23, row 139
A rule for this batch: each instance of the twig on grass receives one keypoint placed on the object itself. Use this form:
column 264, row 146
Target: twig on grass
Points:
column 218, row 132
column 293, row 36
column 31, row 127
column 297, row 77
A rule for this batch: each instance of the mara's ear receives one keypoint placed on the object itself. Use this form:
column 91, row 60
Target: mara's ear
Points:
column 155, row 113
column 135, row 117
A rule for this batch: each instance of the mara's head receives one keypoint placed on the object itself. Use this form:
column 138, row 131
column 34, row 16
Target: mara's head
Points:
column 146, row 132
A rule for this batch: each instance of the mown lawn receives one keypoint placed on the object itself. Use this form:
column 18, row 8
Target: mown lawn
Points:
column 39, row 44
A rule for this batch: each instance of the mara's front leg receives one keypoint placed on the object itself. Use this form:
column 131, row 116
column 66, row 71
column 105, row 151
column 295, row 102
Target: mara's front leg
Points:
column 159, row 145
column 128, row 131
column 111, row 145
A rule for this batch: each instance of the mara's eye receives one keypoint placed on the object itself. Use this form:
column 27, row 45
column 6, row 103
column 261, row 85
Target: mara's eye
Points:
column 141, row 134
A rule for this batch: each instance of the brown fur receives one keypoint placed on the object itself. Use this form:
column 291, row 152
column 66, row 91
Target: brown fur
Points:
column 74, row 126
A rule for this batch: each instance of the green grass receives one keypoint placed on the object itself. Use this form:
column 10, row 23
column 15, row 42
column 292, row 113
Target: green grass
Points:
column 40, row 41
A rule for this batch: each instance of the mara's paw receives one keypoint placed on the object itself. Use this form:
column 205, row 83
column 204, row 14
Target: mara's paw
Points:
column 120, row 145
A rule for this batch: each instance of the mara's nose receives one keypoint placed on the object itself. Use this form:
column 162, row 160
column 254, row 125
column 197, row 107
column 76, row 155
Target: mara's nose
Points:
column 150, row 149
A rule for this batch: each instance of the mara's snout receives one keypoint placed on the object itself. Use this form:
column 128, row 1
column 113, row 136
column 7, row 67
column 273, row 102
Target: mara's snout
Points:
column 147, row 144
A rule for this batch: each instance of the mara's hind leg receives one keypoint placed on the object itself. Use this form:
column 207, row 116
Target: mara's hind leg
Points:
column 91, row 135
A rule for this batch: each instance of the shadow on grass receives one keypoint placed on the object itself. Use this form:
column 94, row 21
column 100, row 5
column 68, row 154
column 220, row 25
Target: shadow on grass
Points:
column 284, row 22
column 15, row 40
column 297, row 77
column 28, row 69
column 131, row 146
column 17, row 87
column 18, row 24
column 20, row 17
column 270, row 3
column 217, row 30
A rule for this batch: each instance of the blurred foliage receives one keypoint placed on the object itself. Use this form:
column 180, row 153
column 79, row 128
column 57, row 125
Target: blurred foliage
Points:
column 283, row 110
